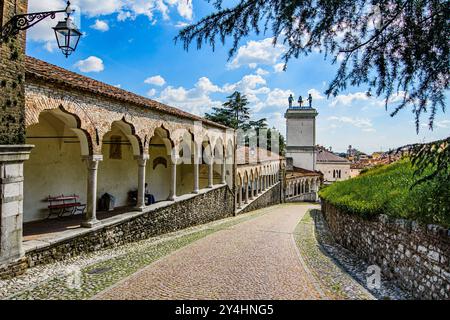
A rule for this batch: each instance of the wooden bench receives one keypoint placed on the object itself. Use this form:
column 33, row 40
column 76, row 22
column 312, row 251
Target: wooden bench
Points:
column 62, row 204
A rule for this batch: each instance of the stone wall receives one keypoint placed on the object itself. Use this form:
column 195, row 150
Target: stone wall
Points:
column 417, row 257
column 13, row 269
column 214, row 205
column 270, row 198
column 12, row 78
column 307, row 197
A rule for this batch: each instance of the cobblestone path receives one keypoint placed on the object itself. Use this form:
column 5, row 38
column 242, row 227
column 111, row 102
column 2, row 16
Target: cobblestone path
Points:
column 256, row 259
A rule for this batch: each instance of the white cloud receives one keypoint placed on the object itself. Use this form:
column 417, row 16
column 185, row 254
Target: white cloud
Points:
column 100, row 25
column 185, row 9
column 151, row 92
column 124, row 9
column 279, row 67
column 348, row 99
column 43, row 32
column 315, row 94
column 362, row 123
column 205, row 85
column 262, row 72
column 255, row 53
column 155, row 80
column 278, row 98
column 442, row 124
column 193, row 100
column 50, row 46
column 91, row 64
column 91, row 8
column 181, row 24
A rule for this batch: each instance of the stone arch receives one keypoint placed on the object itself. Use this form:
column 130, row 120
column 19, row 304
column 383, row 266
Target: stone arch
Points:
column 185, row 150
column 55, row 166
column 161, row 149
column 118, row 171
column 129, row 131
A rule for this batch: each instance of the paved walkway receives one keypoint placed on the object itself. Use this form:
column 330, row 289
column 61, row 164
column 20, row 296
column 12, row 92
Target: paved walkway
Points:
column 257, row 259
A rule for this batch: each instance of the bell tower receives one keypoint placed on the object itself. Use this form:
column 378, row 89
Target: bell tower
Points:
column 301, row 134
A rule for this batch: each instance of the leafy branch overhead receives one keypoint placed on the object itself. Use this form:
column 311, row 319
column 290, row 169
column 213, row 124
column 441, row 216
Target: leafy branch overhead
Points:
column 399, row 49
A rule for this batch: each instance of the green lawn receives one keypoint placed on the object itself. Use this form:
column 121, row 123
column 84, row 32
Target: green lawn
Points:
column 387, row 190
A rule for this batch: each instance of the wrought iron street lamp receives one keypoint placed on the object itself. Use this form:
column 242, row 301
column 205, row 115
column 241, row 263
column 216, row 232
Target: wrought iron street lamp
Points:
column 67, row 33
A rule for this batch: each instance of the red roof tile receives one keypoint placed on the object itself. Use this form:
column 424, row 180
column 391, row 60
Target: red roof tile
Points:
column 300, row 172
column 326, row 156
column 40, row 70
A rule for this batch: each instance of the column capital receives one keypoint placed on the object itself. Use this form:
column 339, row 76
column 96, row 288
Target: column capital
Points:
column 144, row 156
column 93, row 157
column 92, row 161
column 142, row 159
column 15, row 153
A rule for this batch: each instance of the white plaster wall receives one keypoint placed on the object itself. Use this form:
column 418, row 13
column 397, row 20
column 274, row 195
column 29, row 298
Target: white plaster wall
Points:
column 158, row 179
column 327, row 170
column 300, row 132
column 117, row 176
column 185, row 179
column 305, row 160
column 54, row 168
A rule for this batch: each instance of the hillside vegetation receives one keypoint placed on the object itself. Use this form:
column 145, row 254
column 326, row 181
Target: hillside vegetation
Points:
column 389, row 190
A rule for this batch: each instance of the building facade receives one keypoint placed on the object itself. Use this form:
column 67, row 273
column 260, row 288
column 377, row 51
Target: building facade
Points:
column 333, row 167
column 83, row 139
column 302, row 179
column 301, row 137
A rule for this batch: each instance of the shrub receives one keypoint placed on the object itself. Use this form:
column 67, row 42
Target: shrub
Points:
column 391, row 190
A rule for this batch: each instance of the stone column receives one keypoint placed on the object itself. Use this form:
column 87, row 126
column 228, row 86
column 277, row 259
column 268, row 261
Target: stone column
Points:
column 224, row 173
column 90, row 218
column 211, row 174
column 240, row 197
column 252, row 184
column 246, row 193
column 142, row 162
column 12, row 158
column 197, row 161
column 173, row 179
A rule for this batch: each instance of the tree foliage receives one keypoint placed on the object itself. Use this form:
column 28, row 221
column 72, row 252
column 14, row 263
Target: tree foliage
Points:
column 399, row 49
column 235, row 113
column 431, row 161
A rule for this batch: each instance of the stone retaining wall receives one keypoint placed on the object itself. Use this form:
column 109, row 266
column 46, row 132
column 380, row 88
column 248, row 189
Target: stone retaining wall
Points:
column 307, row 197
column 269, row 198
column 13, row 269
column 213, row 205
column 417, row 257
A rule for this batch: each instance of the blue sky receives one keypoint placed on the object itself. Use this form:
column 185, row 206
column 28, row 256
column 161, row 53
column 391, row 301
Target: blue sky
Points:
column 130, row 44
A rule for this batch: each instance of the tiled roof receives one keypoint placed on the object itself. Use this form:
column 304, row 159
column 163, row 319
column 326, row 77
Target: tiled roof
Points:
column 300, row 172
column 243, row 154
column 326, row 156
column 49, row 73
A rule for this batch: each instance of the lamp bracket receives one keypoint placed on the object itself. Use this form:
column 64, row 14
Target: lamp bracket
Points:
column 23, row 22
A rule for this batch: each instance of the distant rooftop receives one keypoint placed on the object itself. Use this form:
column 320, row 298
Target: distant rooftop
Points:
column 327, row 156
column 300, row 172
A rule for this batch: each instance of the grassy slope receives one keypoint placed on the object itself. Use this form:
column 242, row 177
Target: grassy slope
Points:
column 387, row 190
